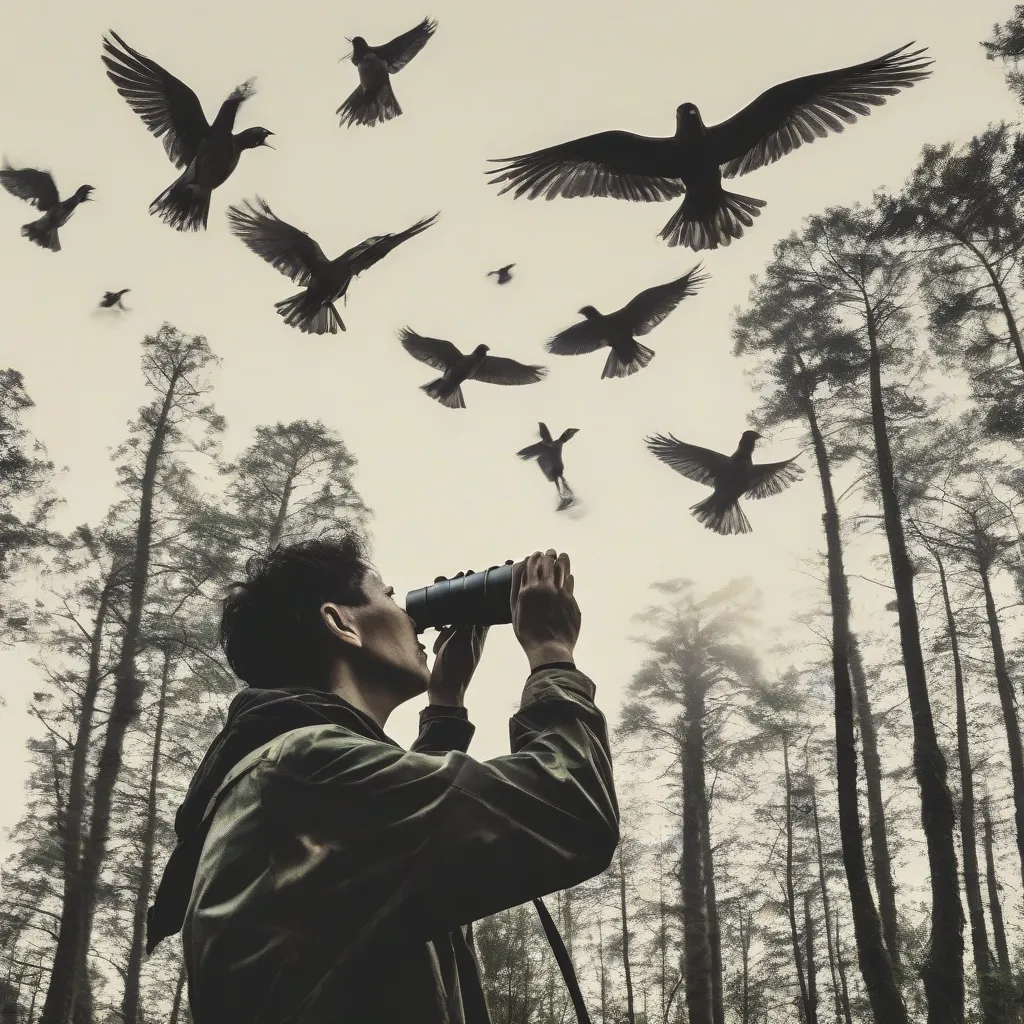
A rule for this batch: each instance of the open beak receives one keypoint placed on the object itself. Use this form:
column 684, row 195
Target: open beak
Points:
column 268, row 145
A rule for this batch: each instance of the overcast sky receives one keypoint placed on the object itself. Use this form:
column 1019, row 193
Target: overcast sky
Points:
column 495, row 81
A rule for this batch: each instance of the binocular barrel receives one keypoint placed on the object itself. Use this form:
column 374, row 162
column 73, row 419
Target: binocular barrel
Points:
column 482, row 599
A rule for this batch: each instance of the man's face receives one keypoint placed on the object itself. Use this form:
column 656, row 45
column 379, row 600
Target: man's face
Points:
column 389, row 637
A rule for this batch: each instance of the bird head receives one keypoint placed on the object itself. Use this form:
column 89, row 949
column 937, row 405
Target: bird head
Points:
column 589, row 312
column 688, row 119
column 253, row 137
column 359, row 48
column 747, row 439
column 481, row 350
column 83, row 195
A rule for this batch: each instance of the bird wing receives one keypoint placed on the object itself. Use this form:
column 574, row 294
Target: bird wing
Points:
column 500, row 370
column 645, row 311
column 531, row 451
column 786, row 116
column 283, row 246
column 397, row 53
column 167, row 106
column 36, row 187
column 772, row 478
column 618, row 165
column 435, row 352
column 373, row 249
column 700, row 464
column 586, row 336
column 545, row 434
column 568, row 433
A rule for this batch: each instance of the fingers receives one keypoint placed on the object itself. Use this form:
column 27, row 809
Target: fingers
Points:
column 570, row 582
column 561, row 570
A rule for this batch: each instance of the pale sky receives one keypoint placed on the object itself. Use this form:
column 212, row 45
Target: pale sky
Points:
column 445, row 485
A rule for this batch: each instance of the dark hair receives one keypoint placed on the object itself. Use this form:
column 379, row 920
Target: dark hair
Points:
column 271, row 629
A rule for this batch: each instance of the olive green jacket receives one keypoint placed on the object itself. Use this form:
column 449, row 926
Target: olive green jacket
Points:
column 340, row 870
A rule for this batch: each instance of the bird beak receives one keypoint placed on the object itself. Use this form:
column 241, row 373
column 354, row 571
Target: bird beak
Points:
column 268, row 145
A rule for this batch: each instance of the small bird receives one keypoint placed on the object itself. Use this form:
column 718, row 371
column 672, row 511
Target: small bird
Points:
column 502, row 273
column 298, row 257
column 616, row 330
column 730, row 475
column 111, row 299
column 548, row 453
column 456, row 367
column 208, row 153
column 38, row 189
column 373, row 101
column 621, row 165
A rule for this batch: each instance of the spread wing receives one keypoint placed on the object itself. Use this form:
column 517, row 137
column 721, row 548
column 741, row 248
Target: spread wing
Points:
column 531, row 451
column 283, row 246
column 499, row 370
column 644, row 312
column 786, row 116
column 568, row 433
column 617, row 165
column 545, row 434
column 403, row 48
column 371, row 250
column 167, row 106
column 435, row 352
column 700, row 464
column 772, row 478
column 36, row 187
column 586, row 336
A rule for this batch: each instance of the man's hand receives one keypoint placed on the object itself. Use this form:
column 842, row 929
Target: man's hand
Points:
column 457, row 651
column 545, row 615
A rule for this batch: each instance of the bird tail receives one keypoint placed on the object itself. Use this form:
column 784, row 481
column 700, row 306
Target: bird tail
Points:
column 183, row 206
column 704, row 225
column 369, row 106
column 309, row 315
column 43, row 232
column 451, row 400
column 723, row 518
column 616, row 366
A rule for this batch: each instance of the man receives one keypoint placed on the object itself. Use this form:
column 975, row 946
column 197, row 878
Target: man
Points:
column 322, row 872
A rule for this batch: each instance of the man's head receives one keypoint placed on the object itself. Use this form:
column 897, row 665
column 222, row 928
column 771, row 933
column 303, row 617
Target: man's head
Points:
column 305, row 608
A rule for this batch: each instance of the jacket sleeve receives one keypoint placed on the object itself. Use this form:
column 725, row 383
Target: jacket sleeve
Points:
column 414, row 844
column 442, row 729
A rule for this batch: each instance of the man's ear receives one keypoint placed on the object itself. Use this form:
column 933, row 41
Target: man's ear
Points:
column 341, row 622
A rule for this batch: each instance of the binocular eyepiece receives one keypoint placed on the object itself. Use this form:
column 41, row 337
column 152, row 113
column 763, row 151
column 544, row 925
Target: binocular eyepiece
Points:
column 480, row 599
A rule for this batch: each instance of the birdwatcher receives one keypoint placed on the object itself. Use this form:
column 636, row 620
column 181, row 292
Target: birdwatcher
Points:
column 322, row 872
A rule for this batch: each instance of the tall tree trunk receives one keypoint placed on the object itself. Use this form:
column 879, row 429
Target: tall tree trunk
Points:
column 847, row 1012
column 76, row 920
column 133, row 968
column 943, row 969
column 179, row 992
column 1009, row 707
column 875, row 963
column 794, row 933
column 277, row 529
column 630, row 1016
column 711, row 909
column 745, row 1008
column 826, row 908
column 812, row 979
column 995, row 908
column 983, row 962
column 695, row 930
column 881, row 859
column 604, row 986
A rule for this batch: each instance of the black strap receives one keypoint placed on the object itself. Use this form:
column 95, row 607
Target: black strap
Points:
column 564, row 963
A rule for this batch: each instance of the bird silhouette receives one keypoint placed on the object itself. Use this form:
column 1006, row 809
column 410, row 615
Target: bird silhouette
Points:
column 731, row 476
column 457, row 367
column 38, row 189
column 502, row 273
column 208, row 153
column 111, row 299
column 548, row 453
column 373, row 101
column 621, row 165
column 617, row 330
column 298, row 257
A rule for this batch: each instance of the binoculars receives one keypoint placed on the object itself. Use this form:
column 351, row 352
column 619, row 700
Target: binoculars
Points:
column 480, row 599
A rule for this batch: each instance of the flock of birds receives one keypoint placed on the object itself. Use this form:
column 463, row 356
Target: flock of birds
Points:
column 613, row 164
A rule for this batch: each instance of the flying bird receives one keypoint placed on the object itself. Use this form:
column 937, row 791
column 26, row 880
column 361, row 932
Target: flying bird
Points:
column 456, row 367
column 298, row 257
column 502, row 273
column 621, row 165
column 207, row 153
column 38, row 189
column 732, row 476
column 618, row 330
column 373, row 101
column 111, row 299
column 548, row 453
